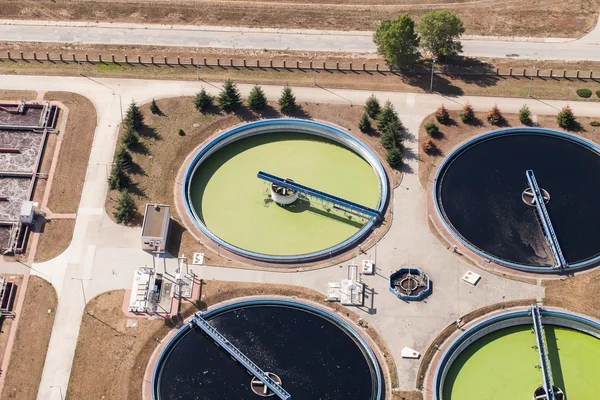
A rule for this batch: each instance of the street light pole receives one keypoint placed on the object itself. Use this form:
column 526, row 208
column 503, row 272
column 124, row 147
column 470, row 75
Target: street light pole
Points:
column 432, row 68
column 315, row 67
column 531, row 79
column 83, row 293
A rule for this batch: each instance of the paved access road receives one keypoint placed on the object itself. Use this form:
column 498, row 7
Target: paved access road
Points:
column 586, row 48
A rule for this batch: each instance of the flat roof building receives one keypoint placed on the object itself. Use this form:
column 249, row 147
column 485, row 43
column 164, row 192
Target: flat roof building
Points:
column 155, row 229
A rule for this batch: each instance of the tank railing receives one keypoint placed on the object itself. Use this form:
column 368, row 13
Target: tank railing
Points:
column 338, row 201
column 540, row 205
column 543, row 352
column 241, row 357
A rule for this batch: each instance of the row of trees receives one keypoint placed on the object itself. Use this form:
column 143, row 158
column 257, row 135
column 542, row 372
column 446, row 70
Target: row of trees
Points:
column 119, row 178
column 230, row 99
column 401, row 43
column 388, row 123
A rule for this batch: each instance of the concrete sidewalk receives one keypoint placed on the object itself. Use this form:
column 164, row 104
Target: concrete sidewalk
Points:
column 103, row 255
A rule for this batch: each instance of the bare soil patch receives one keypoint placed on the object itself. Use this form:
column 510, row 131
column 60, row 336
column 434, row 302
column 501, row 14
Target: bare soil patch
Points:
column 512, row 18
column 16, row 95
column 31, row 342
column 577, row 293
column 105, row 344
column 55, row 238
column 159, row 156
column 74, row 152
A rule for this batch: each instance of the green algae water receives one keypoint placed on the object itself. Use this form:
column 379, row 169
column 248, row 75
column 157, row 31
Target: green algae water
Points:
column 230, row 200
column 503, row 365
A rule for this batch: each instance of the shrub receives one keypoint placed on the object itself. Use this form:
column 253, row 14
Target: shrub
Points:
column 468, row 114
column 388, row 140
column 134, row 117
column 597, row 93
column 566, row 119
column 429, row 146
column 372, row 106
column 229, row 98
column 287, row 100
column 364, row 124
column 118, row 178
column 203, row 100
column 595, row 123
column 130, row 137
column 394, row 156
column 431, row 128
column 180, row 132
column 393, row 133
column 154, row 108
column 587, row 93
column 125, row 210
column 495, row 116
column 387, row 115
column 525, row 115
column 442, row 115
column 257, row 101
column 123, row 157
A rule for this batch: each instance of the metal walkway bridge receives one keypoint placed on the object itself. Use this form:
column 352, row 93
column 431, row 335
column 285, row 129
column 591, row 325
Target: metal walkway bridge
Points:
column 543, row 351
column 240, row 357
column 308, row 191
column 561, row 262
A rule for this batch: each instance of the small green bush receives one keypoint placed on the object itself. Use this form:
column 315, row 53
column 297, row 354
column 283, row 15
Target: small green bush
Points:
column 125, row 210
column 598, row 93
column 203, row 100
column 229, row 97
column 287, row 101
column 387, row 115
column 566, row 119
column 134, row 117
column 364, row 124
column 394, row 156
column 595, row 123
column 429, row 146
column 180, row 132
column 372, row 106
column 442, row 115
column 587, row 93
column 525, row 115
column 468, row 114
column 130, row 137
column 257, row 100
column 154, row 107
column 431, row 128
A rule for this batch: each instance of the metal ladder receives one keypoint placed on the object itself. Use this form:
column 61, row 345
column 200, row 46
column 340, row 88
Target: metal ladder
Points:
column 542, row 350
column 561, row 262
column 240, row 357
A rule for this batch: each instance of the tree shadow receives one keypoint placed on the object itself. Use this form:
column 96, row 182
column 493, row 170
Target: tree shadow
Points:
column 149, row 133
column 298, row 112
column 135, row 169
column 139, row 148
column 475, row 121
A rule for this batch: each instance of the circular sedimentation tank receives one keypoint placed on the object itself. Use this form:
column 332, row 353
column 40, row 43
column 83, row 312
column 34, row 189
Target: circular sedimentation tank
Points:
column 228, row 202
column 498, row 358
column 481, row 194
column 315, row 355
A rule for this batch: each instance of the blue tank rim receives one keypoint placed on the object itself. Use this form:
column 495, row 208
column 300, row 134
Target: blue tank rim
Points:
column 304, row 126
column 556, row 314
column 485, row 136
column 370, row 356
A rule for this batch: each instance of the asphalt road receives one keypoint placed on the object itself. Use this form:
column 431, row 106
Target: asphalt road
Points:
column 587, row 48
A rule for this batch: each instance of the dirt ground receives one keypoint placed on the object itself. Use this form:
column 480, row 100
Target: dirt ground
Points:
column 448, row 85
column 577, row 293
column 31, row 342
column 158, row 158
column 56, row 237
column 74, row 152
column 457, row 132
column 485, row 17
column 6, row 324
column 17, row 94
column 121, row 353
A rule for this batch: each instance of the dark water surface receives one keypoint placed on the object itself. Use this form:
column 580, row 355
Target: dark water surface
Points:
column 314, row 358
column 480, row 195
